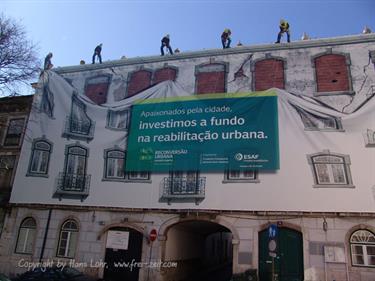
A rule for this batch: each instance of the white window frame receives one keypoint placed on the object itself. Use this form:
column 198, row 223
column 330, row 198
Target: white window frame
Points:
column 28, row 237
column 144, row 177
column 72, row 233
column 364, row 239
column 369, row 137
column 237, row 176
column 108, row 158
column 336, row 163
column 138, row 176
column 41, row 152
column 116, row 118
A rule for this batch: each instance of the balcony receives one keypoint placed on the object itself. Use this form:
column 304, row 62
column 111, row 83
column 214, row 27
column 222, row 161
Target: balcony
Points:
column 183, row 189
column 78, row 129
column 73, row 185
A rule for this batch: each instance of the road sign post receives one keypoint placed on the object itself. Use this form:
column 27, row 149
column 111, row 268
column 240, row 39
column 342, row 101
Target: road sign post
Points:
column 152, row 237
column 272, row 245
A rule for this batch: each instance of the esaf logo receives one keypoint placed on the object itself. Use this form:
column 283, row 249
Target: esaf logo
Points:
column 240, row 156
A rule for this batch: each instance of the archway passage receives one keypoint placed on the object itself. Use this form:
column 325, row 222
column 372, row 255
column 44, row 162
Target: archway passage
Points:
column 123, row 248
column 202, row 250
column 288, row 263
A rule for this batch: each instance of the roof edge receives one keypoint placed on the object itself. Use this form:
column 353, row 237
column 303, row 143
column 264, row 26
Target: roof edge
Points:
column 342, row 40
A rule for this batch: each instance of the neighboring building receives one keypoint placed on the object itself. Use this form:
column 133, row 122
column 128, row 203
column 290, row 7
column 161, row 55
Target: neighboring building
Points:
column 73, row 202
column 14, row 112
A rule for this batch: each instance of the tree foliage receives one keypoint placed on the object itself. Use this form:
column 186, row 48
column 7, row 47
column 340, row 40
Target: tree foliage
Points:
column 18, row 56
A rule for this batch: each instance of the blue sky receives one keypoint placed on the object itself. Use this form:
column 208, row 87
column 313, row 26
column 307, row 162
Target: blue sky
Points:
column 71, row 29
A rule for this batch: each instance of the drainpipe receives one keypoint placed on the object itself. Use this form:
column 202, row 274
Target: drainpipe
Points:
column 45, row 235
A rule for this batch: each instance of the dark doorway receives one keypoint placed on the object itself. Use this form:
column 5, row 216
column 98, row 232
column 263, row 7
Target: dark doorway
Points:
column 119, row 261
column 288, row 263
column 202, row 250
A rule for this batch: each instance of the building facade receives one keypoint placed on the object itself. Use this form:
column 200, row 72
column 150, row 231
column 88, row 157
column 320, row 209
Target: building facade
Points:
column 14, row 112
column 73, row 203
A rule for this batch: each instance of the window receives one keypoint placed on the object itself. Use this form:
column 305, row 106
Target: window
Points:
column 184, row 182
column 164, row 74
column 134, row 176
column 369, row 137
column 115, row 164
column 40, row 156
column 68, row 239
column 97, row 88
column 268, row 73
column 14, row 133
column 78, row 125
column 211, row 78
column 241, row 176
column 332, row 74
column 74, row 179
column 76, row 160
column 362, row 246
column 26, row 236
column 118, row 120
column 185, row 186
column 138, row 81
column 331, row 170
column 7, row 163
column 115, row 170
column 314, row 122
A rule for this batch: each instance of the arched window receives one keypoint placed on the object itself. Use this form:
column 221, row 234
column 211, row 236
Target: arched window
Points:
column 40, row 156
column 74, row 177
column 26, row 236
column 74, row 180
column 362, row 246
column 269, row 73
column 68, row 239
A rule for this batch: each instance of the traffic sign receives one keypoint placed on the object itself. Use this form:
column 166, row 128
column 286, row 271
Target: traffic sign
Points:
column 272, row 231
column 272, row 245
column 272, row 254
column 153, row 235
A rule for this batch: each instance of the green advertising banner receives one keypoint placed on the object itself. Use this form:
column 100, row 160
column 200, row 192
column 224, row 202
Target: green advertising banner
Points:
column 212, row 132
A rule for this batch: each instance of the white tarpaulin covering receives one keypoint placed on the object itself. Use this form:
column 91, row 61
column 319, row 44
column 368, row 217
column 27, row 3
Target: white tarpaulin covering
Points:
column 306, row 128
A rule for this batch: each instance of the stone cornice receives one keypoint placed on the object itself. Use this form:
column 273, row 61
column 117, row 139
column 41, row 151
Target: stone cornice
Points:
column 324, row 42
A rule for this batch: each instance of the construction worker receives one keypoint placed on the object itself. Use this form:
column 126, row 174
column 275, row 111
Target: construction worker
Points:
column 284, row 27
column 97, row 52
column 225, row 38
column 165, row 43
column 47, row 62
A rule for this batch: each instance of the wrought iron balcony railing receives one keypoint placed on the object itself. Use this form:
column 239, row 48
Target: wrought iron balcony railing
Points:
column 79, row 129
column 175, row 188
column 73, row 184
